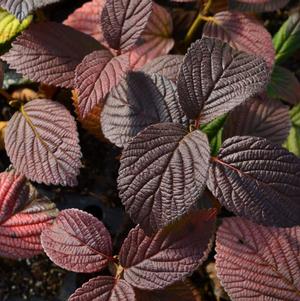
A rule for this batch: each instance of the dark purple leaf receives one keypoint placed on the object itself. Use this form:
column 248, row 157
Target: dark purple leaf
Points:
column 215, row 78
column 170, row 255
column 42, row 143
column 243, row 33
column 123, row 22
column 1, row 74
column 258, row 263
column 166, row 65
column 257, row 5
column 260, row 117
column 21, row 8
column 137, row 102
column 258, row 180
column 104, row 288
column 162, row 174
column 97, row 74
column 49, row 52
column 77, row 241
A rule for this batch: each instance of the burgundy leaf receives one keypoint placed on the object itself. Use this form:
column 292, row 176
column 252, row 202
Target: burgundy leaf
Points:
column 1, row 74
column 124, row 21
column 97, row 74
column 21, row 8
column 260, row 117
column 104, row 288
column 258, row 180
column 77, row 241
column 214, row 79
column 14, row 194
column 156, row 39
column 166, row 65
column 242, row 32
column 42, row 143
column 257, row 5
column 162, row 174
column 137, row 102
column 86, row 19
column 258, row 263
column 20, row 234
column 49, row 52
column 168, row 256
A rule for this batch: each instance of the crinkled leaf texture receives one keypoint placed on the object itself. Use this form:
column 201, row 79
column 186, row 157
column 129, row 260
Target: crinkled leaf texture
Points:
column 42, row 143
column 162, row 174
column 214, row 78
column 14, row 194
column 104, row 288
column 21, row 8
column 156, row 39
column 10, row 26
column 86, row 19
column 257, row 5
column 78, row 241
column 257, row 179
column 137, row 102
column 49, row 52
column 95, row 76
column 258, row 263
column 23, row 217
column 124, row 21
column 284, row 85
column 166, row 65
column 243, row 33
column 260, row 117
column 170, row 255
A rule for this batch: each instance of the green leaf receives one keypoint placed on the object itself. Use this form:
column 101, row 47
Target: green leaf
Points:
column 287, row 39
column 284, row 85
column 10, row 26
column 293, row 141
column 214, row 131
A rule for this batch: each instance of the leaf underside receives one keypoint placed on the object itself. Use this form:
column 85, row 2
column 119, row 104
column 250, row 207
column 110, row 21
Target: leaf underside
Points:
column 257, row 5
column 42, row 143
column 258, row 263
column 258, row 180
column 162, row 174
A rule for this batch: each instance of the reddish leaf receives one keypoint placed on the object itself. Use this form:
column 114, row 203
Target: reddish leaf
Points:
column 13, row 194
column 242, row 32
column 214, row 79
column 42, row 143
column 77, row 241
column 260, row 117
column 104, row 288
column 20, row 233
column 170, row 255
column 258, row 263
column 97, row 74
column 258, row 180
column 124, row 21
column 1, row 74
column 128, row 110
column 21, row 8
column 156, row 39
column 86, row 19
column 37, row 54
column 257, row 5
column 166, row 65
column 162, row 174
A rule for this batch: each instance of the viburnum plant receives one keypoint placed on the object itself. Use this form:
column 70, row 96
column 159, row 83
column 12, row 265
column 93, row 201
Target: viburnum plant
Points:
column 215, row 124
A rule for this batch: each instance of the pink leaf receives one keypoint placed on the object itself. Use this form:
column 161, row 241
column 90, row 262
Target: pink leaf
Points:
column 97, row 74
column 42, row 143
column 243, row 33
column 49, row 52
column 170, row 255
column 258, row 263
column 77, row 241
column 104, row 288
